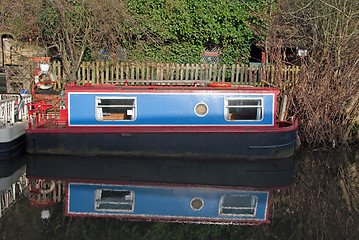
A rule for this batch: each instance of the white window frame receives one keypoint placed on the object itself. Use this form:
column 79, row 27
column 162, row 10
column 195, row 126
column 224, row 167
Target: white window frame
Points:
column 98, row 200
column 221, row 207
column 259, row 107
column 99, row 112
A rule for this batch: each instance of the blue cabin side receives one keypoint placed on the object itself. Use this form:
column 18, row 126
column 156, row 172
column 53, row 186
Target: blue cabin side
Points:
column 167, row 202
column 170, row 109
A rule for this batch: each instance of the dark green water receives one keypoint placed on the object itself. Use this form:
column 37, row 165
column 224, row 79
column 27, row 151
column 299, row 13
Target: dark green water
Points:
column 322, row 203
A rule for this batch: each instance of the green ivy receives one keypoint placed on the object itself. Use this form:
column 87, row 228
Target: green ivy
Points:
column 176, row 31
column 187, row 27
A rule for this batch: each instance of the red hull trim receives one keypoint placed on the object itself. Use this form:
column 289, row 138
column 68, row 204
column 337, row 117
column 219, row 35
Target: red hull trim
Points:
column 168, row 89
column 158, row 184
column 135, row 218
column 166, row 129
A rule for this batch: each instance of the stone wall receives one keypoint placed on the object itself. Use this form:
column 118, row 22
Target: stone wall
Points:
column 18, row 67
column 17, row 53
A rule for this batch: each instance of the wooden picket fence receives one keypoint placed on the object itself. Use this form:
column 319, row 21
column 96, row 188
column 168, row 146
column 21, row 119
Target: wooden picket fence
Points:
column 177, row 74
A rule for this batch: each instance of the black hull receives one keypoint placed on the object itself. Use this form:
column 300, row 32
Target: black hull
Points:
column 257, row 145
column 10, row 149
column 255, row 174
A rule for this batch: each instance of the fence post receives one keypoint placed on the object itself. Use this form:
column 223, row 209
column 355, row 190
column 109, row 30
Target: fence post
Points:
column 152, row 65
column 111, row 72
column 196, row 73
column 181, row 72
column 206, row 72
column 117, row 71
column 79, row 73
column 148, row 66
column 97, row 72
column 162, row 66
column 187, row 72
column 121, row 71
column 132, row 77
column 102, row 72
column 250, row 75
column 233, row 73
column 224, row 73
column 259, row 76
column 237, row 74
column 107, row 72
column 127, row 72
column 148, row 71
column 88, row 69
column 214, row 72
column 137, row 77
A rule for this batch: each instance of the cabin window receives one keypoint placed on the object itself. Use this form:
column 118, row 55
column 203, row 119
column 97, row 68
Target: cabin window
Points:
column 114, row 200
column 238, row 205
column 115, row 109
column 239, row 109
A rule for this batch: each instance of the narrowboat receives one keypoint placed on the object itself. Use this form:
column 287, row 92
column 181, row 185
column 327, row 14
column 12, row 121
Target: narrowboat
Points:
column 207, row 122
column 13, row 122
column 170, row 203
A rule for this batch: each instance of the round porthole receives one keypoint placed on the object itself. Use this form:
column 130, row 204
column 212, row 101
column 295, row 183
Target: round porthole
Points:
column 197, row 203
column 201, row 109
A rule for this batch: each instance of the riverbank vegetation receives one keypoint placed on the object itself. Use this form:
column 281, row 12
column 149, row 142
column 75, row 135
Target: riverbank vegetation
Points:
column 326, row 96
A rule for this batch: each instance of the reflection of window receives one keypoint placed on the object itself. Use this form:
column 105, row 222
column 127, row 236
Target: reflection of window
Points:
column 238, row 205
column 114, row 200
column 243, row 109
column 197, row 203
column 115, row 108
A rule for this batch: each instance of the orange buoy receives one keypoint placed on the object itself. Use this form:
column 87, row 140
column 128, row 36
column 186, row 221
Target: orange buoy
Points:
column 220, row 84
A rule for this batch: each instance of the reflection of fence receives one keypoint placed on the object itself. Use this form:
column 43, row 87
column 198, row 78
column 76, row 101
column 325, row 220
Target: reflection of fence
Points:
column 115, row 73
column 45, row 192
column 9, row 196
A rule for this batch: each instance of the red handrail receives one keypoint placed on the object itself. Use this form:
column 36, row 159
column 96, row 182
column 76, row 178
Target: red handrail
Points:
column 40, row 106
column 33, row 88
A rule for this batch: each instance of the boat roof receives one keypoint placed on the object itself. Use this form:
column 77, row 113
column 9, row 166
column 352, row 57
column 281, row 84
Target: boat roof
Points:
column 156, row 88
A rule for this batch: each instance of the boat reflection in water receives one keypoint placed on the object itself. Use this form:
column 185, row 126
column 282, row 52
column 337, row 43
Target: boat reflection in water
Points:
column 166, row 189
column 11, row 170
column 178, row 203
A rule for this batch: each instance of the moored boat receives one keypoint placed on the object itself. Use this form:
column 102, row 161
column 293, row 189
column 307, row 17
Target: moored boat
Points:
column 13, row 122
column 199, row 121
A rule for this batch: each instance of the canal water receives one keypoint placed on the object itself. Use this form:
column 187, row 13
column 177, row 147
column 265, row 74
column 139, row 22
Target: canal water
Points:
column 322, row 203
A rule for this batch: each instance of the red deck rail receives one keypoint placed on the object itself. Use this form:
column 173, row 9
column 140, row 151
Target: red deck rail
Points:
column 40, row 108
